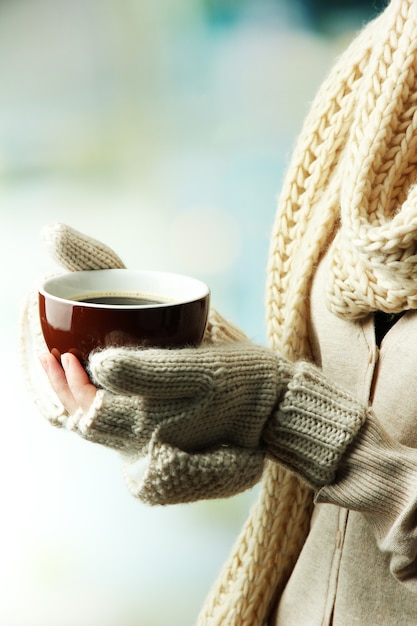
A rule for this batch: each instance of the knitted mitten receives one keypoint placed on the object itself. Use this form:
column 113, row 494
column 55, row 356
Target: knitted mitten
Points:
column 75, row 251
column 205, row 418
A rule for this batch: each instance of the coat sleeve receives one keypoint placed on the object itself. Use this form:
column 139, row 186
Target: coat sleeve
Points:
column 339, row 448
column 377, row 477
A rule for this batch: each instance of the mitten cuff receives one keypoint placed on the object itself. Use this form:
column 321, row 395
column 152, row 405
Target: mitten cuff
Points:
column 108, row 422
column 312, row 426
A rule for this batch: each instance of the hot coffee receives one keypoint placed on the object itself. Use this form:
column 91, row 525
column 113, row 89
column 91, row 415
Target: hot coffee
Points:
column 119, row 299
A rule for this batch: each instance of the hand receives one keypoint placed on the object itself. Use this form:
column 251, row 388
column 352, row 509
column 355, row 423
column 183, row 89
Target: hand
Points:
column 206, row 417
column 172, row 474
column 194, row 398
column 168, row 475
column 195, row 414
column 70, row 382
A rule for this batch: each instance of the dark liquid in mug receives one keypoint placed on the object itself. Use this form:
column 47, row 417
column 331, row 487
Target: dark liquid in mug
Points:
column 121, row 300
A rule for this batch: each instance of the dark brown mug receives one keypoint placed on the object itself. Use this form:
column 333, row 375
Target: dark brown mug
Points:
column 88, row 310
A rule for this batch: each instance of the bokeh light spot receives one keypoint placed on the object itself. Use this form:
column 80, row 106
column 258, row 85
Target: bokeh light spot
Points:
column 205, row 240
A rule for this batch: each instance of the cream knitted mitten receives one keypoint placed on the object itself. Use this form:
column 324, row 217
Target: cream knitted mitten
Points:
column 205, row 418
column 73, row 251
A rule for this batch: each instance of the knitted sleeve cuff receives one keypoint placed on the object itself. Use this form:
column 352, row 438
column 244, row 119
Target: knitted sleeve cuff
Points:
column 312, row 426
column 376, row 476
column 109, row 422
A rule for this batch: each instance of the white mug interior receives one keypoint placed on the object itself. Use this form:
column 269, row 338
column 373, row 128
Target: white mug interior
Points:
column 165, row 286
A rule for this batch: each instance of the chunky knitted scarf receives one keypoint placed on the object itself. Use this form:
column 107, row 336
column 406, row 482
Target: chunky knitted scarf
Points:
column 349, row 191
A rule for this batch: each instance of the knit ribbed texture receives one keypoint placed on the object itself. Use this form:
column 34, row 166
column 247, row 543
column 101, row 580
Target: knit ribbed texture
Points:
column 372, row 262
column 391, row 513
column 313, row 425
column 196, row 398
column 190, row 377
column 243, row 594
column 219, row 330
column 361, row 474
column 340, row 140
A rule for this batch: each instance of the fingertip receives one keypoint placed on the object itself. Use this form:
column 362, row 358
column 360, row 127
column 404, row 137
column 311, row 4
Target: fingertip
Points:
column 75, row 371
column 44, row 361
column 48, row 360
column 56, row 353
column 65, row 360
column 70, row 361
column 83, row 391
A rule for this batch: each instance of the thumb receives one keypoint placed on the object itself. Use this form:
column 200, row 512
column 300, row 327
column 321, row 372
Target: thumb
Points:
column 155, row 373
column 75, row 251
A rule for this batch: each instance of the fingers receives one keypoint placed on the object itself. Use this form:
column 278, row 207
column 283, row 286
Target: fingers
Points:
column 76, row 251
column 70, row 382
column 83, row 391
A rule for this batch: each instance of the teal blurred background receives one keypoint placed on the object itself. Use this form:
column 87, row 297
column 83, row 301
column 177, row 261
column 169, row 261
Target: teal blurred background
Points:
column 162, row 128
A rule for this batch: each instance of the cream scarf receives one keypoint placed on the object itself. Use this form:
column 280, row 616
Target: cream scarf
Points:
column 349, row 186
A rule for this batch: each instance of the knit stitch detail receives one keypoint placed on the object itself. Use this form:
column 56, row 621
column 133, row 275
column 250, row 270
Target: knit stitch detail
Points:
column 313, row 425
column 198, row 397
column 76, row 251
column 367, row 472
column 372, row 262
column 306, row 221
column 173, row 476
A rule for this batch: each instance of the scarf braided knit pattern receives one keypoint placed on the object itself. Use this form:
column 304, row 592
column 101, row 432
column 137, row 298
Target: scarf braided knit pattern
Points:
column 349, row 191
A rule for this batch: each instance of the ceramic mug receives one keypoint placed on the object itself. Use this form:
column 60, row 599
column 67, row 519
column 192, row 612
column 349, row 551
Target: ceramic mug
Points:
column 89, row 310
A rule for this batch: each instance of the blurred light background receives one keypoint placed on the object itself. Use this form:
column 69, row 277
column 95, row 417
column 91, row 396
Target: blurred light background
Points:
column 162, row 127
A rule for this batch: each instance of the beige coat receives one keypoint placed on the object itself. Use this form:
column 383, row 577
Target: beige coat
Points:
column 342, row 577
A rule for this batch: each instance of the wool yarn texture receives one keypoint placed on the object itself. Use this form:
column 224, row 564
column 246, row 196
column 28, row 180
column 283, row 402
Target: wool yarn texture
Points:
column 205, row 418
column 349, row 191
column 76, row 251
